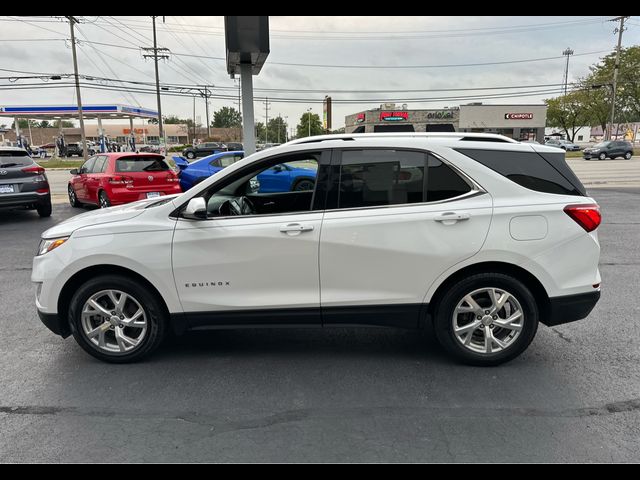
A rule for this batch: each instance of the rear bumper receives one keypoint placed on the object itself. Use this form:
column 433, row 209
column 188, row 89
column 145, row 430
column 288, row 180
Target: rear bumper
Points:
column 53, row 322
column 24, row 198
column 570, row 308
column 121, row 196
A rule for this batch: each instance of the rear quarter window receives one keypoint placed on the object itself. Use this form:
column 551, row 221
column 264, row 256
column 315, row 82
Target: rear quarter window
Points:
column 548, row 172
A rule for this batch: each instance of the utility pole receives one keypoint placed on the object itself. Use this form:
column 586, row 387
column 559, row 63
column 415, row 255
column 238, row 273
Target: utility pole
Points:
column 205, row 93
column 72, row 22
column 309, row 119
column 266, row 120
column 568, row 52
column 616, row 67
column 164, row 55
column 194, row 117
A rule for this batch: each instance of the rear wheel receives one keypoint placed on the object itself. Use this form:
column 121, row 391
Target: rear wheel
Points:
column 44, row 209
column 628, row 155
column 73, row 198
column 190, row 155
column 103, row 200
column 486, row 319
column 116, row 320
column 602, row 156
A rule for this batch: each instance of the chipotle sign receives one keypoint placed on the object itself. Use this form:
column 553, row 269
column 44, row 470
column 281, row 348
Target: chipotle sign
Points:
column 518, row 116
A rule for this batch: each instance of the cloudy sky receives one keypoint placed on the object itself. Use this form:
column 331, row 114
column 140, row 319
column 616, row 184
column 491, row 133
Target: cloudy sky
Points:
column 417, row 60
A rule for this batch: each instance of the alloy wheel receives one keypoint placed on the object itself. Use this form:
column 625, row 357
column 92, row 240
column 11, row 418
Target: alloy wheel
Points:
column 487, row 320
column 114, row 321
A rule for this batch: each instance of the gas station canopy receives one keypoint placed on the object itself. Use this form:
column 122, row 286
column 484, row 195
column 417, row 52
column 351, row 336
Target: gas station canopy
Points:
column 48, row 112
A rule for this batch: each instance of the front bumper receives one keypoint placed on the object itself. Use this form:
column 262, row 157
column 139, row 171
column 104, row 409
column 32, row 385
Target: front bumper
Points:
column 570, row 308
column 54, row 323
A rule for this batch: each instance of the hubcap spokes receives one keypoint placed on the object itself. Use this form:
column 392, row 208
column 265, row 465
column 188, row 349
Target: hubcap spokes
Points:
column 114, row 321
column 487, row 320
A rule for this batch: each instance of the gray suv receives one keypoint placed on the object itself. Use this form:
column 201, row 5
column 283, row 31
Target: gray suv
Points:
column 23, row 182
column 609, row 149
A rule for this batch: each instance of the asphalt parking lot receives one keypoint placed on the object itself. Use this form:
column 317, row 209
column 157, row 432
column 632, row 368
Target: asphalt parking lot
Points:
column 338, row 395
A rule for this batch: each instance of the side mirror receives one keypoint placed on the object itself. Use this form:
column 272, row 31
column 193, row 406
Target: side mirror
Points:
column 196, row 209
column 277, row 168
column 74, row 171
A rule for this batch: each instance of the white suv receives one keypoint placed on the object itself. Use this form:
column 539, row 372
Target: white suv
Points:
column 479, row 235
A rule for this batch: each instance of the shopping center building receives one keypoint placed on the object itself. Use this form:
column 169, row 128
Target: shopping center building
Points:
column 521, row 122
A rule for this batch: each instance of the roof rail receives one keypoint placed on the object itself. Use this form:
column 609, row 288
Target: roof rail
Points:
column 462, row 136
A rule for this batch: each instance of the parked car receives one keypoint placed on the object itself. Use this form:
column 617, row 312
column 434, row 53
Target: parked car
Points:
column 117, row 178
column 203, row 150
column 76, row 149
column 234, row 146
column 478, row 235
column 279, row 178
column 23, row 183
column 609, row 149
column 563, row 144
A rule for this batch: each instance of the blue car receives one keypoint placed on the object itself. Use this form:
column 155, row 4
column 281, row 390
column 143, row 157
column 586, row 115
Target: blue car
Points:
column 284, row 177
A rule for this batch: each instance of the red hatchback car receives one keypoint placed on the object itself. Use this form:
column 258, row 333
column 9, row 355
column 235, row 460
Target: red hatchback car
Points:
column 115, row 178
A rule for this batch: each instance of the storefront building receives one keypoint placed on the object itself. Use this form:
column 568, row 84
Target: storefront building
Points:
column 521, row 122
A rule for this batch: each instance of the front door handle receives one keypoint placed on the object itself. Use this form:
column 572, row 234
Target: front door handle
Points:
column 449, row 218
column 295, row 228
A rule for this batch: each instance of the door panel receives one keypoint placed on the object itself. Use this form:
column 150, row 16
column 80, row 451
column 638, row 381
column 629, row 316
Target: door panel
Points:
column 392, row 255
column 249, row 263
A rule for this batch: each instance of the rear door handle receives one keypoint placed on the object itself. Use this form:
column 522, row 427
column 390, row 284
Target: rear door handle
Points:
column 295, row 228
column 452, row 217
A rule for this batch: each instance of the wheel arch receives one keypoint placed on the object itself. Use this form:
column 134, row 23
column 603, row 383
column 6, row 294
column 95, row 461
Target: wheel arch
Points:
column 526, row 277
column 302, row 178
column 80, row 277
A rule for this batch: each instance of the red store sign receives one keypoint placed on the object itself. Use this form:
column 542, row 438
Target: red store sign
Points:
column 518, row 116
column 360, row 118
column 394, row 116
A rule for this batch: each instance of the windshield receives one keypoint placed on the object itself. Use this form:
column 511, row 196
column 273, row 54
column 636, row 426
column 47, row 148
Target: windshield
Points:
column 602, row 144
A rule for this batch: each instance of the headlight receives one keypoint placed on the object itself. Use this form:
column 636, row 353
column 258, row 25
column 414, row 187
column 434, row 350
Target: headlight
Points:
column 48, row 244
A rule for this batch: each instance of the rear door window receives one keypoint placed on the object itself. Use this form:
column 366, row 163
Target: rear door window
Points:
column 443, row 182
column 100, row 165
column 548, row 172
column 141, row 164
column 87, row 167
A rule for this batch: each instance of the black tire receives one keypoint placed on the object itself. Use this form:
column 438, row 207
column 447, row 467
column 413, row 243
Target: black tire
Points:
column 444, row 310
column 103, row 200
column 73, row 198
column 44, row 209
column 628, row 155
column 190, row 155
column 155, row 313
column 602, row 156
column 302, row 185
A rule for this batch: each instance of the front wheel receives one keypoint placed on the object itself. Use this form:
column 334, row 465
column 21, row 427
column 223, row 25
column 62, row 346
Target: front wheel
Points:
column 190, row 155
column 117, row 320
column 486, row 319
column 303, row 185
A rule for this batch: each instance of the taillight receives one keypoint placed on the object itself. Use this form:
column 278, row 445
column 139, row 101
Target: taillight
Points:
column 587, row 216
column 120, row 180
column 37, row 169
column 172, row 178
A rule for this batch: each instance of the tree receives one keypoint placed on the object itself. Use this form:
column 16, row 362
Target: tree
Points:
column 628, row 90
column 227, row 117
column 172, row 120
column 569, row 112
column 24, row 123
column 302, row 129
column 45, row 124
column 277, row 130
column 260, row 132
